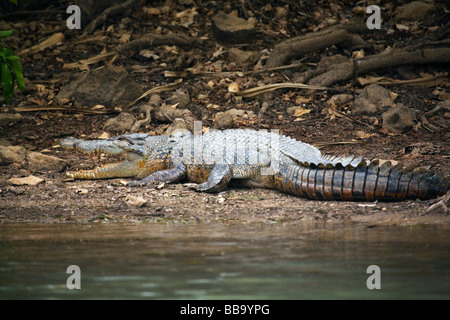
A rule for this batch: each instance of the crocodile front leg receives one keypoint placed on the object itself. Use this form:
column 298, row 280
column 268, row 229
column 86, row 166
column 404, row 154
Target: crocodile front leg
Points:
column 218, row 179
column 168, row 175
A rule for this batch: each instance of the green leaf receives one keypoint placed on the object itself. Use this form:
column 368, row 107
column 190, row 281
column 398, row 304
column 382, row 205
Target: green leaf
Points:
column 17, row 70
column 5, row 33
column 7, row 83
column 8, row 51
column 13, row 2
column 12, row 57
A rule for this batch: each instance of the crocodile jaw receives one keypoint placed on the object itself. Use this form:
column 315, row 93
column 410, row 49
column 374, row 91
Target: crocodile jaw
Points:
column 131, row 167
column 124, row 169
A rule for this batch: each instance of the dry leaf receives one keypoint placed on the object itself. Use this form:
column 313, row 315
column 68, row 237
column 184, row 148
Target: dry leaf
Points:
column 402, row 27
column 358, row 54
column 363, row 135
column 186, row 17
column 153, row 11
column 393, row 95
column 302, row 100
column 125, row 38
column 233, row 87
column 52, row 41
column 300, row 111
column 104, row 135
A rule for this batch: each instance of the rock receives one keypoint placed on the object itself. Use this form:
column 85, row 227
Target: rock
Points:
column 397, row 120
column 340, row 99
column 373, row 98
column 12, row 154
column 178, row 124
column 41, row 162
column 30, row 181
column 133, row 201
column 110, row 86
column 223, row 120
column 7, row 119
column 424, row 148
column 180, row 97
column 122, row 123
column 5, row 143
column 242, row 58
column 236, row 112
column 416, row 10
column 231, row 29
column 445, row 104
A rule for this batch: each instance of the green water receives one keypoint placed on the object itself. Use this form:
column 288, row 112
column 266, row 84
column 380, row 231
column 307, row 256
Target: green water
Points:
column 215, row 261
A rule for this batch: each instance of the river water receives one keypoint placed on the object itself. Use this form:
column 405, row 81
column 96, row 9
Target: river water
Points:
column 219, row 261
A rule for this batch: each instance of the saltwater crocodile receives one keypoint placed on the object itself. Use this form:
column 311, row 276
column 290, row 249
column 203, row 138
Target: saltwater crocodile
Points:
column 255, row 159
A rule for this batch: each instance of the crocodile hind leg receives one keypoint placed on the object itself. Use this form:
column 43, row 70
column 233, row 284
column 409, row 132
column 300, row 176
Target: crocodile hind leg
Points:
column 171, row 175
column 218, row 179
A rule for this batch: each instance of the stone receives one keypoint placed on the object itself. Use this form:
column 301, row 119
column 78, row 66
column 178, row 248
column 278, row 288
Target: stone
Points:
column 133, row 201
column 373, row 98
column 39, row 162
column 7, row 119
column 5, row 143
column 122, row 123
column 111, row 87
column 340, row 99
column 231, row 29
column 30, row 181
column 397, row 120
column 224, row 120
column 177, row 124
column 242, row 58
column 413, row 11
column 12, row 154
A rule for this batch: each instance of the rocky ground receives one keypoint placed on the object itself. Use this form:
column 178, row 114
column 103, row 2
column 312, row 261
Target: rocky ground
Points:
column 166, row 64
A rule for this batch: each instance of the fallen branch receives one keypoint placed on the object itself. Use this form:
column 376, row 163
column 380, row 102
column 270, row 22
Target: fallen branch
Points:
column 51, row 41
column 109, row 12
column 298, row 46
column 274, row 86
column 65, row 109
column 159, row 89
column 384, row 60
column 151, row 39
column 154, row 102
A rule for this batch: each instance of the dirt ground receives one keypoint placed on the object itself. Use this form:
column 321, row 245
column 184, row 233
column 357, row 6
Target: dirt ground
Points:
column 59, row 201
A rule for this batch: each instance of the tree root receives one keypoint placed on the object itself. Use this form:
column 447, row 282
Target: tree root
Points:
column 392, row 58
column 298, row 46
column 149, row 40
column 109, row 12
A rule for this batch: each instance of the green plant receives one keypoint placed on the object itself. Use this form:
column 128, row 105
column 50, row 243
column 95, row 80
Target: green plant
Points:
column 11, row 69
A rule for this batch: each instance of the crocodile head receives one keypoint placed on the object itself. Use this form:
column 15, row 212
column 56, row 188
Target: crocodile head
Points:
column 137, row 147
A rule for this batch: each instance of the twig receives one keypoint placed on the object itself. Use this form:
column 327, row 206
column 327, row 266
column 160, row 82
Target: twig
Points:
column 343, row 115
column 109, row 12
column 159, row 89
column 274, row 86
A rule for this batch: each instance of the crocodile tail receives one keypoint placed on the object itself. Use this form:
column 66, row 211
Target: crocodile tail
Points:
column 364, row 182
